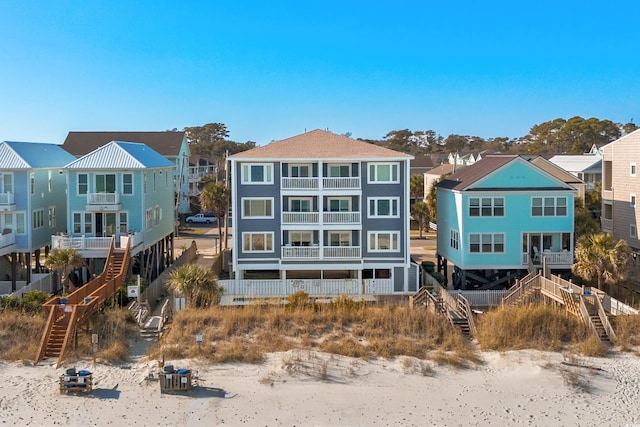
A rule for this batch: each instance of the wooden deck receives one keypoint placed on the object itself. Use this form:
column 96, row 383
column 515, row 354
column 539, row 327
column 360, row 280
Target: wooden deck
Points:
column 67, row 313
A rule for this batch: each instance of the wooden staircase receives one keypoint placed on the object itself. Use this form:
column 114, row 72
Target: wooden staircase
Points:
column 458, row 310
column 66, row 314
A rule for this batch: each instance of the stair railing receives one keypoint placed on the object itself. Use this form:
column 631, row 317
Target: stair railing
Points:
column 602, row 314
column 69, row 336
column 45, row 336
column 586, row 318
column 463, row 306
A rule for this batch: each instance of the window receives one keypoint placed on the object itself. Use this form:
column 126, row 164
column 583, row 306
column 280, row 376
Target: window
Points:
column 32, row 180
column 486, row 243
column 149, row 219
column 632, row 201
column 77, row 223
column 157, row 215
column 124, row 222
column 127, row 183
column 83, row 183
column 300, row 238
column 52, row 216
column 257, row 208
column 38, row 219
column 486, row 206
column 454, row 239
column 383, row 173
column 154, row 181
column 633, row 232
column 339, row 171
column 257, row 173
column 144, row 183
column 6, row 183
column 549, row 206
column 50, row 182
column 106, row 183
column 300, row 205
column 384, row 241
column 633, row 169
column 384, row 207
column 299, row 171
column 88, row 223
column 339, row 205
column 257, row 242
column 340, row 238
column 20, row 223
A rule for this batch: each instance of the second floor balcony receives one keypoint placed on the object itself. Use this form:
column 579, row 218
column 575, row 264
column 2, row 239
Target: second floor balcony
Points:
column 103, row 202
column 320, row 252
column 317, row 183
column 313, row 218
column 7, row 202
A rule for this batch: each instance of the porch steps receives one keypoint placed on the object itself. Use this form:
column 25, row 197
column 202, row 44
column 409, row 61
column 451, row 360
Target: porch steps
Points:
column 595, row 320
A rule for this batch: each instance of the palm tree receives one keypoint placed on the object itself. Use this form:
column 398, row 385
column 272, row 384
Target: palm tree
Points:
column 65, row 261
column 416, row 187
column 599, row 256
column 214, row 197
column 420, row 212
column 199, row 286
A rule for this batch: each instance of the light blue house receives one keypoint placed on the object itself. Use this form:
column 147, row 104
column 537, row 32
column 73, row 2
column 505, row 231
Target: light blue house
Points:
column 32, row 205
column 500, row 217
column 122, row 190
column 321, row 213
column 172, row 145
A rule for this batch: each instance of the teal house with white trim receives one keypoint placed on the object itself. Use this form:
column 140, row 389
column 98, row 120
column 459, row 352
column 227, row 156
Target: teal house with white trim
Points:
column 501, row 217
column 121, row 191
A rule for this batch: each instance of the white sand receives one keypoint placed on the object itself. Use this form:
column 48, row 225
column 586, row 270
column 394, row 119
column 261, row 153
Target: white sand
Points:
column 300, row 388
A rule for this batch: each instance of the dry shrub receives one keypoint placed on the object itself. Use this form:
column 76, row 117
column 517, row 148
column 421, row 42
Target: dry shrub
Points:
column 345, row 346
column 20, row 334
column 237, row 350
column 592, row 347
column 627, row 330
column 541, row 327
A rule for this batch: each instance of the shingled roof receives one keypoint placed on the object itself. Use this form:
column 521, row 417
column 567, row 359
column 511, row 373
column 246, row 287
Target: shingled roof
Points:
column 320, row 144
column 166, row 143
column 470, row 174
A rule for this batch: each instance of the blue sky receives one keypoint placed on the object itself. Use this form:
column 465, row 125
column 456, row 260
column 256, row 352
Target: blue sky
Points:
column 270, row 70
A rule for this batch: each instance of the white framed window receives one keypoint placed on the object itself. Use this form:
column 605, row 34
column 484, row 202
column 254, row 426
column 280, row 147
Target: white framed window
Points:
column 157, row 215
column 486, row 206
column 454, row 239
column 149, row 219
column 88, row 223
column 632, row 169
column 486, row 243
column 339, row 204
column 632, row 200
column 13, row 221
column 339, row 238
column 384, row 173
column 257, row 242
column 6, row 183
column 144, row 183
column 384, row 241
column 339, row 171
column 300, row 238
column 549, row 206
column 124, row 222
column 257, row 207
column 52, row 216
column 127, row 183
column 77, row 223
column 83, row 183
column 257, row 173
column 387, row 207
column 300, row 204
column 38, row 218
column 299, row 171
column 20, row 223
column 105, row 183
column 633, row 231
column 32, row 181
column 50, row 181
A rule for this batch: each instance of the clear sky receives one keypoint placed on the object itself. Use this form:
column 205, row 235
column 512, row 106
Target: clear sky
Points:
column 271, row 69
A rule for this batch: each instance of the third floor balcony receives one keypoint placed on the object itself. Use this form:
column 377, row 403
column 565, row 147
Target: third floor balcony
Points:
column 103, row 201
column 317, row 183
column 7, row 202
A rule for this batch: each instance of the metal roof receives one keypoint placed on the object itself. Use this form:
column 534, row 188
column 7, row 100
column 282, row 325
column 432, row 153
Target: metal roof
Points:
column 578, row 163
column 121, row 155
column 32, row 155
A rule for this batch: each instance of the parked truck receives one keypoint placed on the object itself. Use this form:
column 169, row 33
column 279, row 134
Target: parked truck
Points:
column 202, row 218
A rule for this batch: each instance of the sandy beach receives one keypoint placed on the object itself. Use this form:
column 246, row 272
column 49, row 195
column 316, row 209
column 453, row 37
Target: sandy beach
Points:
column 302, row 388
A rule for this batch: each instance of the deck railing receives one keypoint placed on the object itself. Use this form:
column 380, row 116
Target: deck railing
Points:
column 80, row 243
column 341, row 217
column 275, row 288
column 299, row 183
column 7, row 239
column 351, row 183
column 103, row 198
column 7, row 199
column 300, row 217
column 341, row 251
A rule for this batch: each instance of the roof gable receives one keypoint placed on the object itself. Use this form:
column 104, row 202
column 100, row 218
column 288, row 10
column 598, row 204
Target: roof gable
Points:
column 30, row 155
column 121, row 155
column 319, row 144
column 502, row 172
column 167, row 143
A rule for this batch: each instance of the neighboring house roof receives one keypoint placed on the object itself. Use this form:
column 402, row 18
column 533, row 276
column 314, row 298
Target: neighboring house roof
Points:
column 166, row 143
column 473, row 174
column 578, row 163
column 421, row 162
column 121, row 155
column 31, row 155
column 556, row 170
column 319, row 144
column 444, row 169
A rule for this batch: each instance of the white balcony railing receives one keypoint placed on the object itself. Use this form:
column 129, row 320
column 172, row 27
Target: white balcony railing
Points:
column 300, row 252
column 300, row 217
column 352, row 183
column 341, row 217
column 134, row 240
column 552, row 258
column 341, row 251
column 299, row 183
column 7, row 199
column 103, row 198
column 317, row 253
column 7, row 239
column 280, row 288
column 80, row 243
